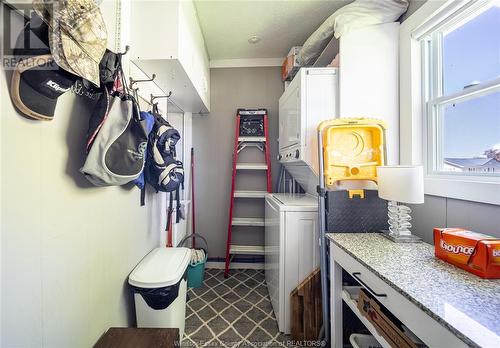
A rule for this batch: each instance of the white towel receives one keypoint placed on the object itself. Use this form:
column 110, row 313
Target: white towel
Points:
column 197, row 256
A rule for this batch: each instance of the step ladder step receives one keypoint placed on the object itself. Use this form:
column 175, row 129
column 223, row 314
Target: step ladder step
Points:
column 249, row 194
column 251, row 166
column 246, row 249
column 252, row 139
column 247, row 222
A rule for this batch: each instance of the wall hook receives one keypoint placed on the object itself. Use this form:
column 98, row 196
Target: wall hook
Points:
column 127, row 48
column 153, row 97
column 133, row 82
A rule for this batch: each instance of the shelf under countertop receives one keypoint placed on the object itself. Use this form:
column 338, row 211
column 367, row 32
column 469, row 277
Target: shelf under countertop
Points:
column 464, row 303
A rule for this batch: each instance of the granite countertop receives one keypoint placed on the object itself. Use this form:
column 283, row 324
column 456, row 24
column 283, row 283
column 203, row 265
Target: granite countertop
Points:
column 467, row 305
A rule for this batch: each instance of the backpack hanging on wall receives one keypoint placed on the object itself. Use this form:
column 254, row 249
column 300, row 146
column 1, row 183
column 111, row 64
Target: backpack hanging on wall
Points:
column 163, row 171
column 116, row 139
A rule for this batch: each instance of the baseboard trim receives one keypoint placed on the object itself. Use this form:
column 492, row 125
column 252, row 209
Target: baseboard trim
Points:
column 234, row 265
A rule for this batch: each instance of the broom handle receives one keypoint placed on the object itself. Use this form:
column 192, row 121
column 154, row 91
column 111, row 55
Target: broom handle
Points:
column 192, row 197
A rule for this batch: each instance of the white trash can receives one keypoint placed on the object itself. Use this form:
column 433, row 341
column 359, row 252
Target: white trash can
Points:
column 159, row 283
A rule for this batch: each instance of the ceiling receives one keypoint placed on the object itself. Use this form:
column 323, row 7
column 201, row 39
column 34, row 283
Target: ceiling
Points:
column 227, row 25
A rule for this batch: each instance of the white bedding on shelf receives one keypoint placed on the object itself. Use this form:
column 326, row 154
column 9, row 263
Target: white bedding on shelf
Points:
column 358, row 14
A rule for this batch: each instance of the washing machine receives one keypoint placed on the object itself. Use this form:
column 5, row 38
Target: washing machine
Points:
column 291, row 248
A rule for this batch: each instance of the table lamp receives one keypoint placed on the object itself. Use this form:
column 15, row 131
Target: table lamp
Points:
column 400, row 184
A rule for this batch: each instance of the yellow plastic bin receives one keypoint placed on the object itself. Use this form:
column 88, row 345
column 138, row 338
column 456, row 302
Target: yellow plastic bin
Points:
column 352, row 148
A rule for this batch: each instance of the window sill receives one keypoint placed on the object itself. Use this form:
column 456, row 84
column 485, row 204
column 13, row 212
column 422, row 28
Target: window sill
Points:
column 465, row 188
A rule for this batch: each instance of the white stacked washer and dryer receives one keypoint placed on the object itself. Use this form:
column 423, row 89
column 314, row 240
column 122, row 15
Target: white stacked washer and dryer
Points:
column 291, row 223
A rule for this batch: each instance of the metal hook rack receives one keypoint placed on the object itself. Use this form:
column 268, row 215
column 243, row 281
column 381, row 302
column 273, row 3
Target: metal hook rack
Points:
column 133, row 82
column 153, row 97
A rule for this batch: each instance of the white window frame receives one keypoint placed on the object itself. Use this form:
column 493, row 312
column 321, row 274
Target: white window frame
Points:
column 420, row 135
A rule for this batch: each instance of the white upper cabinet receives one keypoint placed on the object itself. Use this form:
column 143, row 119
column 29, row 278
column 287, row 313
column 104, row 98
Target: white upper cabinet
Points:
column 166, row 40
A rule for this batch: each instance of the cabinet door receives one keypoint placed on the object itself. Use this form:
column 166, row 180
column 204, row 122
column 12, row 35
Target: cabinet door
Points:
column 301, row 253
column 289, row 118
column 302, row 244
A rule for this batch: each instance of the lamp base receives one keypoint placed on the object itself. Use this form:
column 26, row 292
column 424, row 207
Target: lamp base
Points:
column 402, row 238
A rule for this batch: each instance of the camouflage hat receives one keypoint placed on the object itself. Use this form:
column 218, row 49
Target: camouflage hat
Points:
column 77, row 35
column 44, row 9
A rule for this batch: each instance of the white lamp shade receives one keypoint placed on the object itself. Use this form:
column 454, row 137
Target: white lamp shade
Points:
column 403, row 184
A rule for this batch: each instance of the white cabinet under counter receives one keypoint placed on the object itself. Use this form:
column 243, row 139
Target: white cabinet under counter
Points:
column 442, row 305
column 170, row 44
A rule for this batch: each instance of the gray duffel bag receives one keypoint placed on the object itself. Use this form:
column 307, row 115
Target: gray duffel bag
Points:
column 117, row 142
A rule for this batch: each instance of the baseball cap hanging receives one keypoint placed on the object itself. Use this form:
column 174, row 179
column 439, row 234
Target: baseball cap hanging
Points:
column 37, row 81
column 77, row 35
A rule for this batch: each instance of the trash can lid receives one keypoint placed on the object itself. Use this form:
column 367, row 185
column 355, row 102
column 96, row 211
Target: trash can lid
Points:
column 160, row 268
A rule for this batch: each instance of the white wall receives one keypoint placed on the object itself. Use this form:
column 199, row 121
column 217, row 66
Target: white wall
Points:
column 213, row 141
column 66, row 247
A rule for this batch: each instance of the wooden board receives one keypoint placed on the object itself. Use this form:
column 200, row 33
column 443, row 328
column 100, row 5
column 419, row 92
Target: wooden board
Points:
column 126, row 337
column 388, row 329
column 306, row 308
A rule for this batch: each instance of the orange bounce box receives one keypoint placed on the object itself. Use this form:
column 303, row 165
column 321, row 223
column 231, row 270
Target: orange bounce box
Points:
column 474, row 252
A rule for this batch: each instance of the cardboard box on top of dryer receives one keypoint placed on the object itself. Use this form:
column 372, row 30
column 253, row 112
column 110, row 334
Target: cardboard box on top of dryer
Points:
column 474, row 252
column 290, row 65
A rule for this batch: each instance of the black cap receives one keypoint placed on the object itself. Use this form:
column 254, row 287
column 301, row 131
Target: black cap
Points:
column 37, row 81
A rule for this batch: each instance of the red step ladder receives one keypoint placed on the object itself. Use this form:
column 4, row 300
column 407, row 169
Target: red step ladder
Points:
column 251, row 131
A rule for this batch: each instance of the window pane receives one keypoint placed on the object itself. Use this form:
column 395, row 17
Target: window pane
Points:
column 471, row 135
column 471, row 53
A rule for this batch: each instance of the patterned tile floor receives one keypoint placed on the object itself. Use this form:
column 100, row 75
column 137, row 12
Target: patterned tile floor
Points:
column 232, row 312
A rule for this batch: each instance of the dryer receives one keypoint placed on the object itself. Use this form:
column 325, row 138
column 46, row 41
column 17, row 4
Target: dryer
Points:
column 291, row 248
column 311, row 98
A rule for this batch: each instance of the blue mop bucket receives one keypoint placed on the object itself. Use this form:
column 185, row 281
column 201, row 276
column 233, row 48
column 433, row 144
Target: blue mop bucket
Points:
column 196, row 272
